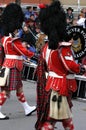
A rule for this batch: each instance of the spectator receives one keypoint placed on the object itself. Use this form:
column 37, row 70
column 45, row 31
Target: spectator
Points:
column 32, row 17
column 74, row 23
column 32, row 31
column 28, row 33
column 29, row 12
column 81, row 20
column 27, row 38
column 35, row 11
column 69, row 16
column 83, row 10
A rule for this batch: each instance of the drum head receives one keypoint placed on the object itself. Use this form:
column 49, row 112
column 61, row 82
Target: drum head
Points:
column 79, row 45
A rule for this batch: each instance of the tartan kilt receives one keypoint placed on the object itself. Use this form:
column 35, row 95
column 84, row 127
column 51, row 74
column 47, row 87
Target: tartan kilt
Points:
column 15, row 80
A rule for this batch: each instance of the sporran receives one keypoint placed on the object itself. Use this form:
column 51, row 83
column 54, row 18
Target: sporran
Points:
column 4, row 76
column 59, row 108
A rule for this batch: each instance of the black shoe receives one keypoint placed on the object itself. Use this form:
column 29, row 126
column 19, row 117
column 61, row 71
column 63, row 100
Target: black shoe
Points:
column 31, row 112
column 5, row 118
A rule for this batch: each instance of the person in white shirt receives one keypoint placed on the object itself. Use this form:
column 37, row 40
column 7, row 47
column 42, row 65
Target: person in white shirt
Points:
column 81, row 20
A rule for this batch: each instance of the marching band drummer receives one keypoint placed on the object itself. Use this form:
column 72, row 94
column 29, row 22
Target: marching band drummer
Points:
column 12, row 21
column 56, row 58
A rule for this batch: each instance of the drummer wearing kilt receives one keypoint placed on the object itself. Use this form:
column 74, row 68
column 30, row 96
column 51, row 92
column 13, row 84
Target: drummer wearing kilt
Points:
column 54, row 92
column 13, row 49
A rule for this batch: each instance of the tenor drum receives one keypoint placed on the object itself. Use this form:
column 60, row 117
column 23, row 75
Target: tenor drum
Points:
column 28, row 72
column 81, row 91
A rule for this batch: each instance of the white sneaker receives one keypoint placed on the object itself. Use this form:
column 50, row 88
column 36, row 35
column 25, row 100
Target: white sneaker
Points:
column 3, row 117
column 30, row 110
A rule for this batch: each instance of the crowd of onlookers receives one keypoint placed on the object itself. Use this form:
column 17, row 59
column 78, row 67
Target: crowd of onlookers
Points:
column 79, row 20
column 31, row 26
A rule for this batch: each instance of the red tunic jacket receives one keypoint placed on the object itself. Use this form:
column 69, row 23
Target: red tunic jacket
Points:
column 13, row 52
column 60, row 64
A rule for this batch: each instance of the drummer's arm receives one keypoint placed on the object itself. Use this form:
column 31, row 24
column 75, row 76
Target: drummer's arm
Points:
column 22, row 50
column 68, row 60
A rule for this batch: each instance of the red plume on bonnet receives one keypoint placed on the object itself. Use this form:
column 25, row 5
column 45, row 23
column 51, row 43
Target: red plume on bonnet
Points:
column 42, row 6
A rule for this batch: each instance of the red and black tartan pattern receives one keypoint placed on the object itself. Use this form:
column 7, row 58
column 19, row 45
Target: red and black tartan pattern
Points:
column 15, row 81
column 42, row 96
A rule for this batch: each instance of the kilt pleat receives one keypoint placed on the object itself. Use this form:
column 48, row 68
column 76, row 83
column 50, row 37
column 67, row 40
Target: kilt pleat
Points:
column 15, row 80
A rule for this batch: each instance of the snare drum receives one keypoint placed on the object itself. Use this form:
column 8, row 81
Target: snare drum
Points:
column 81, row 91
column 28, row 72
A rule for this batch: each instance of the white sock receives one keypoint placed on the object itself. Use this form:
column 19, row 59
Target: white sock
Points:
column 1, row 115
column 27, row 108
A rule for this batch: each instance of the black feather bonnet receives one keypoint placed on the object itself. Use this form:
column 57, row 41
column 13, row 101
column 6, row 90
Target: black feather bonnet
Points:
column 53, row 23
column 12, row 18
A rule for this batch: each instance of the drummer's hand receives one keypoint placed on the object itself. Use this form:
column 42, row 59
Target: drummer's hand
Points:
column 84, row 67
column 28, row 59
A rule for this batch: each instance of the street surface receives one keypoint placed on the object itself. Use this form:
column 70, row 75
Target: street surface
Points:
column 18, row 121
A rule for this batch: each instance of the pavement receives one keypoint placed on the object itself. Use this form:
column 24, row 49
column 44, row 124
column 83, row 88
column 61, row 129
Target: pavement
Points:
column 18, row 121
